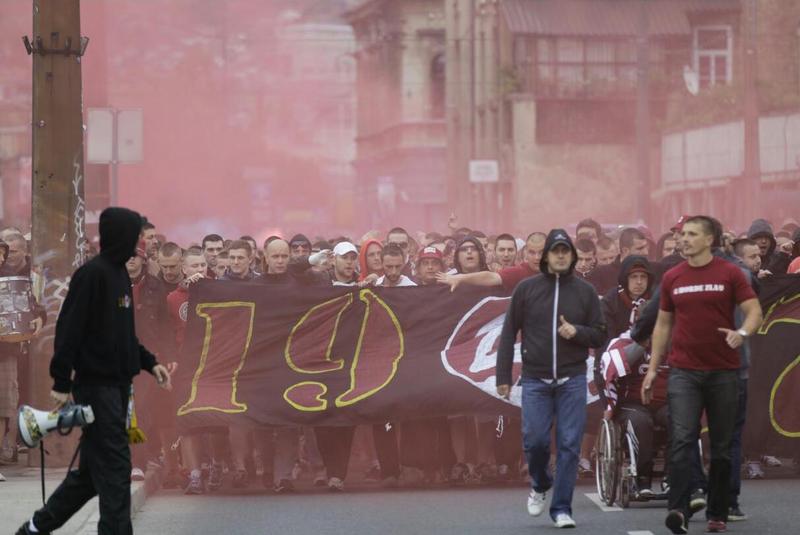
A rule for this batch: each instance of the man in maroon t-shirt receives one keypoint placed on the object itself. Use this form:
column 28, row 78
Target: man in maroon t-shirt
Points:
column 698, row 299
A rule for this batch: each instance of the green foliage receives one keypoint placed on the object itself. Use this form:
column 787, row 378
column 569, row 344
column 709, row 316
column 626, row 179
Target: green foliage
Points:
column 509, row 80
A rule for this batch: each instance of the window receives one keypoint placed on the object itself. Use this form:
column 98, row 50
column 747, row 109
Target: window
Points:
column 712, row 56
column 585, row 68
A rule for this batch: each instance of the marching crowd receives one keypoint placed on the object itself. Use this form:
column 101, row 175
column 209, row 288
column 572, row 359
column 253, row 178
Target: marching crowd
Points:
column 624, row 267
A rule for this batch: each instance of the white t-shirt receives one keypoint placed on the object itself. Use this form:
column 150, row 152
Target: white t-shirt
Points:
column 404, row 281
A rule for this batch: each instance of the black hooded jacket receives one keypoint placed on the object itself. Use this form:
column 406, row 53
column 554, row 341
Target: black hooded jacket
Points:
column 617, row 303
column 536, row 306
column 95, row 332
column 774, row 261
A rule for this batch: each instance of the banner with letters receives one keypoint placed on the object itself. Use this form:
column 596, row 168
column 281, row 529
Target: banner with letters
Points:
column 257, row 354
column 272, row 355
column 773, row 403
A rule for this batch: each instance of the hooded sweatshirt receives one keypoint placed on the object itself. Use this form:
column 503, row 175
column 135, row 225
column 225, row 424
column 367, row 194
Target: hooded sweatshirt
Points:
column 536, row 308
column 618, row 306
column 363, row 270
column 773, row 261
column 95, row 332
column 483, row 266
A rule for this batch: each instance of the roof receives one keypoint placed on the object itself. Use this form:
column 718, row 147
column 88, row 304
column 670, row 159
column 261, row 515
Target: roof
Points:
column 605, row 18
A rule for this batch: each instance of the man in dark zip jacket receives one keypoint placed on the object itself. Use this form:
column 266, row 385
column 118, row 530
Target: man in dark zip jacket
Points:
column 560, row 319
column 96, row 357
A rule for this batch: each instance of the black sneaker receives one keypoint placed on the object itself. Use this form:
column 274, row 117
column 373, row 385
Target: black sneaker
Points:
column 283, row 486
column 735, row 514
column 676, row 522
column 698, row 501
column 24, row 530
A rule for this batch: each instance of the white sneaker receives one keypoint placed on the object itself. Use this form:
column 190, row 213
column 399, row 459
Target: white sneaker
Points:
column 771, row 461
column 2, row 477
column 585, row 468
column 754, row 471
column 536, row 502
column 137, row 474
column 563, row 520
column 335, row 484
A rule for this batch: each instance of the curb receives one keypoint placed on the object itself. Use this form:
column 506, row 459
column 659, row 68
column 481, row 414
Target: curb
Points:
column 140, row 491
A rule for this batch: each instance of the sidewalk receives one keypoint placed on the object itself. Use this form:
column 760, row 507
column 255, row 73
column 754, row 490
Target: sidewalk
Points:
column 21, row 495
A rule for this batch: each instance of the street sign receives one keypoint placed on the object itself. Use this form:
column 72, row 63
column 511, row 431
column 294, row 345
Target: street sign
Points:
column 100, row 136
column 129, row 136
column 484, row 171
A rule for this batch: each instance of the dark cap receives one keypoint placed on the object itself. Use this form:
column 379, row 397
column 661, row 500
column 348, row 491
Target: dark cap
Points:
column 560, row 238
column 299, row 238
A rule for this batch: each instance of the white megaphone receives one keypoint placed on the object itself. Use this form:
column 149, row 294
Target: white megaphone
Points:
column 34, row 424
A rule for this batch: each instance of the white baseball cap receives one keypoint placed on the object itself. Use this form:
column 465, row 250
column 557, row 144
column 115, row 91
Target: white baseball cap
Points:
column 343, row 248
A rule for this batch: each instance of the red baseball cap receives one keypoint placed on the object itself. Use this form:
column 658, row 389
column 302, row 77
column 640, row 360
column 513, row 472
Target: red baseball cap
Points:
column 430, row 252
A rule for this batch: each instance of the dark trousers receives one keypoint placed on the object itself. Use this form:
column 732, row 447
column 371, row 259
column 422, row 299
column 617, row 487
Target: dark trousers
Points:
column 104, row 469
column 386, row 449
column 736, row 444
column 643, row 420
column 334, row 444
column 691, row 392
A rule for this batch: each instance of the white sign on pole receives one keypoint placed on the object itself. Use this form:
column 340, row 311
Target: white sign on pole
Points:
column 484, row 171
column 100, row 136
column 129, row 136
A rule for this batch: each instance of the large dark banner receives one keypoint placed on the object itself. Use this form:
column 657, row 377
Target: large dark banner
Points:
column 773, row 410
column 258, row 354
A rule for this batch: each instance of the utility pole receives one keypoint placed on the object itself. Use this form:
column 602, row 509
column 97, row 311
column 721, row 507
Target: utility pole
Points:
column 58, row 207
column 643, row 115
column 750, row 189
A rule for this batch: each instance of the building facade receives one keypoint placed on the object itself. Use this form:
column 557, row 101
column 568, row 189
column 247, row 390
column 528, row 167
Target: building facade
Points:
column 401, row 142
column 550, row 90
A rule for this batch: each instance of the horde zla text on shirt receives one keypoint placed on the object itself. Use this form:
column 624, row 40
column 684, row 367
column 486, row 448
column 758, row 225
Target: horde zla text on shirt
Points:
column 703, row 300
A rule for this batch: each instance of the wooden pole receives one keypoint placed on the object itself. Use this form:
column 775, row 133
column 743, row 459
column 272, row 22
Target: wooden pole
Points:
column 57, row 198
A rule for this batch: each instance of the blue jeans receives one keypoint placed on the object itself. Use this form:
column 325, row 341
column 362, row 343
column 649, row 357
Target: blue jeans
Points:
column 541, row 402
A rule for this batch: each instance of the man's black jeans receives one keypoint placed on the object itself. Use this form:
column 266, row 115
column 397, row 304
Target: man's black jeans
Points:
column 104, row 468
column 691, row 392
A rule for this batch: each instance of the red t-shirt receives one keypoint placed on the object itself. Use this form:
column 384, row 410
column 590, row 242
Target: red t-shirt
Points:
column 703, row 299
column 514, row 275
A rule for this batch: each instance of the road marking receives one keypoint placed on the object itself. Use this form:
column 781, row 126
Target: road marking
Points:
column 640, row 533
column 595, row 498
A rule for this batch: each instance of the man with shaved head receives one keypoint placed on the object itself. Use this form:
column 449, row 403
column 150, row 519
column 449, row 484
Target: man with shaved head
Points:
column 279, row 444
column 17, row 261
column 276, row 256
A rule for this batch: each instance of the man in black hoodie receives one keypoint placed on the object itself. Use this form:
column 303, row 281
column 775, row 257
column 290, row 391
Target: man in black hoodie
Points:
column 773, row 260
column 560, row 319
column 636, row 281
column 96, row 357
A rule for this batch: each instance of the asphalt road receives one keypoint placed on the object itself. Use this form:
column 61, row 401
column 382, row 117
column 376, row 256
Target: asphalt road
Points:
column 772, row 505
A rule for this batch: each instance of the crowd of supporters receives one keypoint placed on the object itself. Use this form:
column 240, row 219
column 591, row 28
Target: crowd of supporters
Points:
column 623, row 265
